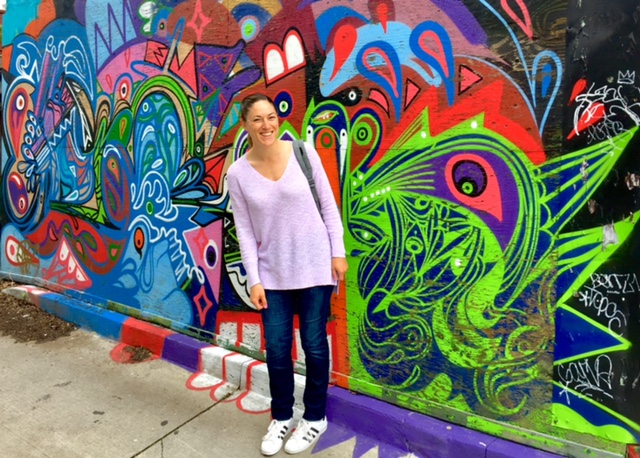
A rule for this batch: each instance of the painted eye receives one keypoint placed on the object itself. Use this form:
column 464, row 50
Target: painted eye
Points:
column 139, row 239
column 366, row 232
column 18, row 194
column 284, row 104
column 20, row 102
column 326, row 138
column 64, row 252
column 363, row 134
column 469, row 178
column 211, row 255
column 249, row 27
column 344, row 137
column 124, row 85
column 473, row 182
column 349, row 97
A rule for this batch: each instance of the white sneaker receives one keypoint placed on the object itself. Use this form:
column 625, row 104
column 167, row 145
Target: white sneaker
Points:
column 305, row 435
column 272, row 441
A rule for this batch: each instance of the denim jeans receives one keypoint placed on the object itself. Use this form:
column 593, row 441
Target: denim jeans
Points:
column 312, row 305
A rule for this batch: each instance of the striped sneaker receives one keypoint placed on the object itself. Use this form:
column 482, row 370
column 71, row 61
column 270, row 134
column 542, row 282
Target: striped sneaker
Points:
column 305, row 435
column 272, row 441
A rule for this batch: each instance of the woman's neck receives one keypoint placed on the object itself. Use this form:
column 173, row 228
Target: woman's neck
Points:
column 267, row 153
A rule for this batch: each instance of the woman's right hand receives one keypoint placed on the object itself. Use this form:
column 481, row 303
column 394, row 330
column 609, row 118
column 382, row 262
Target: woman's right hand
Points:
column 258, row 297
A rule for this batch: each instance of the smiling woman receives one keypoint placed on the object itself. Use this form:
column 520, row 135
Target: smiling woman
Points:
column 293, row 255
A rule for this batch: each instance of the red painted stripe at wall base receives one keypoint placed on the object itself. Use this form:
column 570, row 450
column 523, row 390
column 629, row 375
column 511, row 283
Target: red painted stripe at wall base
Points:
column 140, row 334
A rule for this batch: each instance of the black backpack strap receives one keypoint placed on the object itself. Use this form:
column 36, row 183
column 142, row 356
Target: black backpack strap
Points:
column 301, row 155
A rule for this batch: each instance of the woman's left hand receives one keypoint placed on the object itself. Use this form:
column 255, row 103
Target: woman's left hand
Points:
column 339, row 267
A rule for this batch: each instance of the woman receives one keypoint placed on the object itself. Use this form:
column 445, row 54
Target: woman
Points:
column 293, row 257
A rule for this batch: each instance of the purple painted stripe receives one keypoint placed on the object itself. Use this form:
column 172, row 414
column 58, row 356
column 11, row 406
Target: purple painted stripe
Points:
column 506, row 449
column 367, row 416
column 417, row 433
column 463, row 19
column 435, row 438
column 183, row 351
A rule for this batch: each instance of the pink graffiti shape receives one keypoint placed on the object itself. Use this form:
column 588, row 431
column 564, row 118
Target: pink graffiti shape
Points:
column 525, row 22
column 199, row 21
column 345, row 41
column 468, row 78
column 385, row 71
column 411, row 92
column 18, row 107
column 379, row 98
column 430, row 42
column 591, row 115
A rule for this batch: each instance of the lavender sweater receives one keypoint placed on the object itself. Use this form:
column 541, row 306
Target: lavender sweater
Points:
column 284, row 242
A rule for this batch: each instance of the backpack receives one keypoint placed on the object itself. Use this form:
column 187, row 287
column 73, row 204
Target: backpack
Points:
column 301, row 155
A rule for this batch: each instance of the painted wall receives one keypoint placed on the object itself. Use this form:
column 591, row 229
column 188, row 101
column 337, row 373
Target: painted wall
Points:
column 597, row 359
column 487, row 183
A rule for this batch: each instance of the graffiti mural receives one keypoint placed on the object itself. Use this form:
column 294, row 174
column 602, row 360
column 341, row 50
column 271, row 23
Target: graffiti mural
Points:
column 597, row 369
column 480, row 280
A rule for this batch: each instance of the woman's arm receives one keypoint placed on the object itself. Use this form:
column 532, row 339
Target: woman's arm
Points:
column 244, row 230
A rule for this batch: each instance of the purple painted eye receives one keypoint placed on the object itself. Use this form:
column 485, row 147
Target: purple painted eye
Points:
column 18, row 194
column 211, row 255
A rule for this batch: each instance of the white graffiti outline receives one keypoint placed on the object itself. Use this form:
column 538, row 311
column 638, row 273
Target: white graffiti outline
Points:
column 586, row 378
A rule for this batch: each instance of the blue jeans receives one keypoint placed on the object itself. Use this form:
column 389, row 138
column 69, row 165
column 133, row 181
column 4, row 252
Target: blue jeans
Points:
column 313, row 306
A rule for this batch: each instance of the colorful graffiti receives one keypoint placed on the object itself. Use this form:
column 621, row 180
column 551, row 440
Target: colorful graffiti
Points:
column 596, row 369
column 477, row 281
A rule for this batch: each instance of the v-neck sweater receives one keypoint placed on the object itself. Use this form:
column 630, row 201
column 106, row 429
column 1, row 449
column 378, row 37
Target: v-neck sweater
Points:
column 284, row 241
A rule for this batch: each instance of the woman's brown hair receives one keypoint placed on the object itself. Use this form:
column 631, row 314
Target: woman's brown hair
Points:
column 248, row 102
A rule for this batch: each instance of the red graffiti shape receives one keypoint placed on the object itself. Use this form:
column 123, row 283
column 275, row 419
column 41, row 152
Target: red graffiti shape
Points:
column 345, row 40
column 591, row 115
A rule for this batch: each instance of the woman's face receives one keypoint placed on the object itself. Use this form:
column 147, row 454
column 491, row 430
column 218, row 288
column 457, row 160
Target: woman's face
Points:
column 262, row 123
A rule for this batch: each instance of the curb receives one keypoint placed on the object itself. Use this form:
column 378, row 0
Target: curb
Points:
column 233, row 376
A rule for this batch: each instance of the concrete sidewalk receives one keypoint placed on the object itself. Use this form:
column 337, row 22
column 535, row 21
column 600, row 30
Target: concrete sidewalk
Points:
column 69, row 399
column 226, row 405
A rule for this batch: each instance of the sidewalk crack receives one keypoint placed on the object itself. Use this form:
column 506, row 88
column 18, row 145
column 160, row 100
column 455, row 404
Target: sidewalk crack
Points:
column 161, row 439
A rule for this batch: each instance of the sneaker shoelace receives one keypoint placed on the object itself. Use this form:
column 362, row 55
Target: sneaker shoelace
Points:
column 305, row 432
column 277, row 430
